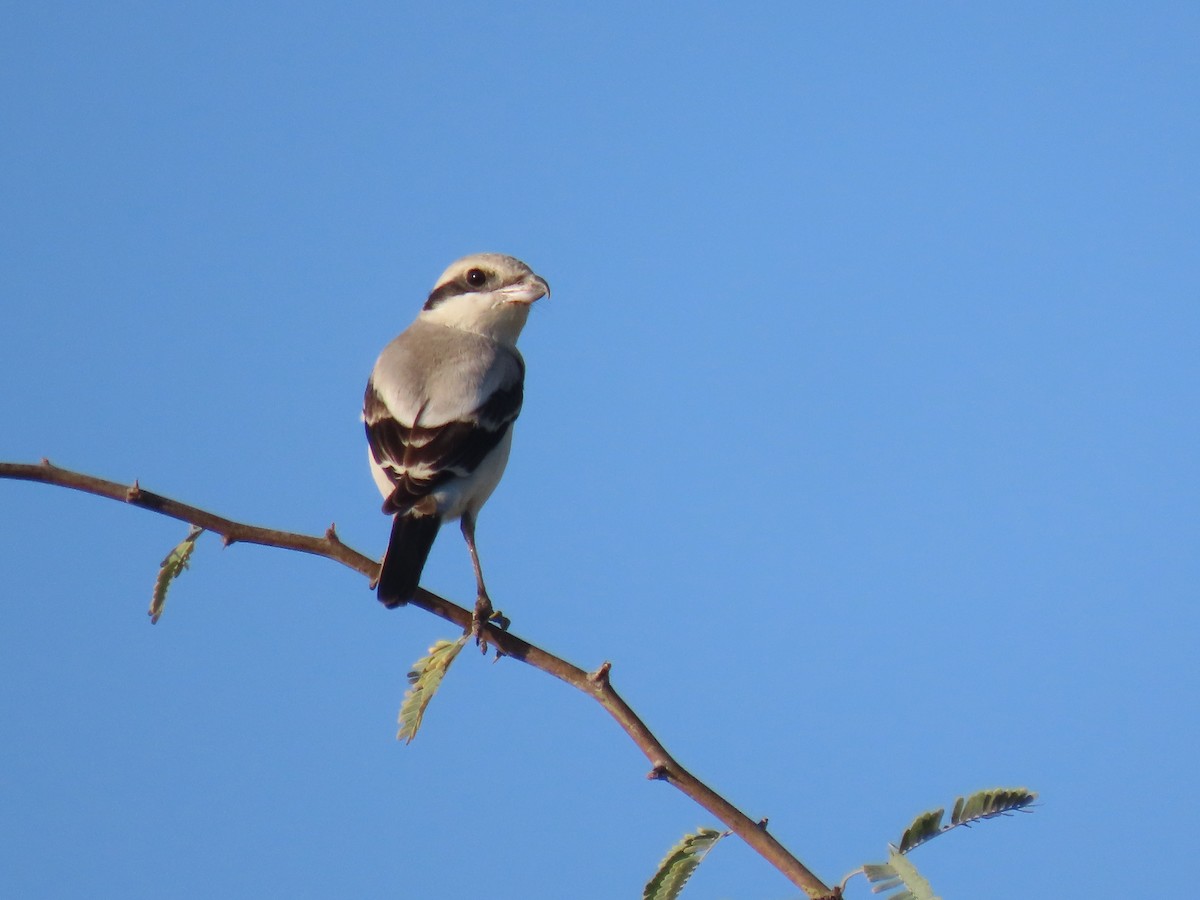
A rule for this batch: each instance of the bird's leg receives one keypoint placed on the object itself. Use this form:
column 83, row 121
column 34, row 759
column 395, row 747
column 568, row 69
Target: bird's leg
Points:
column 484, row 612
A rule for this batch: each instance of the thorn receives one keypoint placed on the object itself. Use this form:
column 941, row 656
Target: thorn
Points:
column 45, row 462
column 134, row 493
column 228, row 540
column 762, row 823
column 600, row 676
column 658, row 773
column 331, row 534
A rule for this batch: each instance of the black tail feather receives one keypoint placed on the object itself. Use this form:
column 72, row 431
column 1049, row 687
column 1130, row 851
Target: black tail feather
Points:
column 412, row 538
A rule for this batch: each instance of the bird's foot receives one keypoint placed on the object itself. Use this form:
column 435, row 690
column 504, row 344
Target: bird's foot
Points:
column 483, row 615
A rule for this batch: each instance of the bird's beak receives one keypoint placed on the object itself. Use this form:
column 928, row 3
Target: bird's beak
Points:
column 528, row 289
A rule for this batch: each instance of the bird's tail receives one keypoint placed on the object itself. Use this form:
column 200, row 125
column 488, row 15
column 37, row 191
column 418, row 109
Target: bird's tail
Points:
column 412, row 537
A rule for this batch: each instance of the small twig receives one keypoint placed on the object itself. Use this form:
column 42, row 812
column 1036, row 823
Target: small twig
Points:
column 231, row 532
column 596, row 684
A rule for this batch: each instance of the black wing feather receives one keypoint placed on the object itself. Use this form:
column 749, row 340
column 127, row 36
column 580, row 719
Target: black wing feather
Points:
column 452, row 450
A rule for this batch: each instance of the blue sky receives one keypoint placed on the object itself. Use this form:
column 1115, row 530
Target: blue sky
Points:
column 860, row 435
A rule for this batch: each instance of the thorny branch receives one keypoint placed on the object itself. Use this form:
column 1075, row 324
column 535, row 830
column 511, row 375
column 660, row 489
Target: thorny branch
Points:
column 596, row 684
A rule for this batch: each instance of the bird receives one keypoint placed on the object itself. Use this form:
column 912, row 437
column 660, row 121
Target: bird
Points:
column 439, row 410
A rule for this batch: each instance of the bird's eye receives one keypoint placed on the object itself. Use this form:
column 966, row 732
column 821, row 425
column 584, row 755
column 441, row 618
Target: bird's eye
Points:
column 476, row 277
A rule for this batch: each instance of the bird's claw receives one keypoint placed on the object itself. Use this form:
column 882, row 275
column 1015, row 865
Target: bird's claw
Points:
column 483, row 615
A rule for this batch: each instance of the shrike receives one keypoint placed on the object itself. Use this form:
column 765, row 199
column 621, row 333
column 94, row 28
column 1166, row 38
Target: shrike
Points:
column 439, row 410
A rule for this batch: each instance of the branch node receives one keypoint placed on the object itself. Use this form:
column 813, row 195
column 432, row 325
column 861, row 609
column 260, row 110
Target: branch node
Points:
column 600, row 676
column 134, row 494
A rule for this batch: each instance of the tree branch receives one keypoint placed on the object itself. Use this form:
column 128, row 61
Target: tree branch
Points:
column 597, row 684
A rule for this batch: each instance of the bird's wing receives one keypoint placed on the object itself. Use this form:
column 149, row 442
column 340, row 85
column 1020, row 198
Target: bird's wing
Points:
column 421, row 454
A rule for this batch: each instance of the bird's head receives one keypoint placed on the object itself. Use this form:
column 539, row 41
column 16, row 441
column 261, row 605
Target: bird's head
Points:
column 486, row 293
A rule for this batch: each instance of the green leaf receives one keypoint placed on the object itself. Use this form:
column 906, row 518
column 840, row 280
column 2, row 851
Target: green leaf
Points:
column 170, row 569
column 975, row 808
column 423, row 680
column 925, row 826
column 900, row 875
column 989, row 804
column 679, row 864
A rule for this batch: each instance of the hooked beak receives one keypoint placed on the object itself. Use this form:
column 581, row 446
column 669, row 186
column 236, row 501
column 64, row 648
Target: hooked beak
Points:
column 527, row 290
